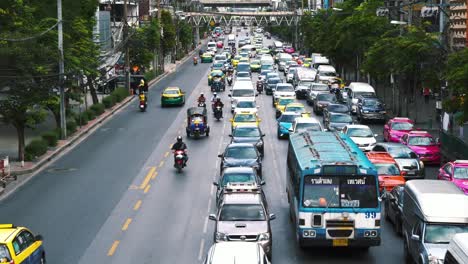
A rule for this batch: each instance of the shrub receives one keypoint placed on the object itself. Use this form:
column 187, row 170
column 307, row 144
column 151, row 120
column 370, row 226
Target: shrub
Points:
column 71, row 126
column 120, row 93
column 51, row 137
column 90, row 113
column 108, row 101
column 98, row 108
column 82, row 119
column 34, row 149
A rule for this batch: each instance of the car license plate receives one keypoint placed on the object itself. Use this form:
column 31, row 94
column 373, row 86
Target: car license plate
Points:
column 340, row 242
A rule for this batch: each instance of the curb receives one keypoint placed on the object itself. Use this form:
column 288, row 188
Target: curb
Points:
column 98, row 121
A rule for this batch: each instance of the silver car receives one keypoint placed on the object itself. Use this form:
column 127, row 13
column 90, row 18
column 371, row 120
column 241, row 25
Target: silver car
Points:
column 406, row 159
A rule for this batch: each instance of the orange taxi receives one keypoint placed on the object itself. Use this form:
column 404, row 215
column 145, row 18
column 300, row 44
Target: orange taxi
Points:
column 389, row 173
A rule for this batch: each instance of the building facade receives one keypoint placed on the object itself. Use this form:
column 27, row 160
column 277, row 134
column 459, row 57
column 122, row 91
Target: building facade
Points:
column 458, row 21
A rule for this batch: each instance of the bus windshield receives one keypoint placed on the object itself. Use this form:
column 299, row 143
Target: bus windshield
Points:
column 339, row 191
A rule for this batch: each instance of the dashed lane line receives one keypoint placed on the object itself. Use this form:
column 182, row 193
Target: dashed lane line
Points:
column 202, row 246
column 147, row 188
column 137, row 205
column 113, row 248
column 148, row 178
column 126, row 224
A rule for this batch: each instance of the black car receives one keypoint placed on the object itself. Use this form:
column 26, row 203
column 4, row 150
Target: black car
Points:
column 271, row 84
column 337, row 121
column 370, row 108
column 323, row 100
column 241, row 155
column 394, row 207
column 245, row 175
column 335, row 108
column 248, row 134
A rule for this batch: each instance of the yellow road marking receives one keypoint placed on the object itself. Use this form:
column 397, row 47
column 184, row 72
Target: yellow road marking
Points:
column 154, row 175
column 147, row 178
column 161, row 163
column 113, row 248
column 137, row 205
column 147, row 188
column 170, row 146
column 166, row 154
column 126, row 224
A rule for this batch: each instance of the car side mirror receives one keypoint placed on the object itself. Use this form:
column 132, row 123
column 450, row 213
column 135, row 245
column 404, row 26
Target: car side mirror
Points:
column 262, row 135
column 229, row 95
column 290, row 130
column 231, row 120
column 272, row 216
column 38, row 238
column 376, row 135
column 215, row 183
column 446, row 175
column 212, row 217
column 220, row 155
column 262, row 183
column 437, row 141
column 230, row 135
column 259, row 120
column 415, row 237
column 256, row 94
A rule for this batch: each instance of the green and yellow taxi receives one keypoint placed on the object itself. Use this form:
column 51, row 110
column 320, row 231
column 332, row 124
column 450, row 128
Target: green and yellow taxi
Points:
column 244, row 54
column 19, row 245
column 245, row 118
column 172, row 96
column 235, row 60
column 255, row 65
column 206, row 58
column 297, row 108
column 307, row 62
column 214, row 74
column 281, row 103
column 264, row 51
column 245, row 60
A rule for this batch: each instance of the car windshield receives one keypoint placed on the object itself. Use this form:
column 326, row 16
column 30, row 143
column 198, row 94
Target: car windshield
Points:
column 360, row 132
column 337, row 108
column 217, row 73
column 243, row 93
column 246, row 132
column 460, row 173
column 211, row 45
column 327, row 74
column 306, row 83
column 244, row 55
column 298, row 109
column 243, row 74
column 237, row 57
column 242, row 212
column 402, row 126
column 442, row 234
column 341, row 119
column 292, row 70
column 308, row 126
column 218, row 65
column 171, row 92
column 246, row 104
column 319, row 87
column 245, row 118
column 241, row 152
column 340, row 192
column 264, row 73
column 374, row 103
column 369, row 94
column 285, row 101
column 237, row 177
column 387, row 169
column 243, row 67
column 273, row 80
column 402, row 153
column 284, row 88
column 287, row 118
column 421, row 141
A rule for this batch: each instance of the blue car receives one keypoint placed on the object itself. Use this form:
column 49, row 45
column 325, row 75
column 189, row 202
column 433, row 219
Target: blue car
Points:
column 370, row 108
column 285, row 123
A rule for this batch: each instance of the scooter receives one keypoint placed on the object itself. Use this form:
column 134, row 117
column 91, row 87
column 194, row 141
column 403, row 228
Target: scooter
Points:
column 142, row 106
column 195, row 60
column 179, row 160
column 218, row 112
column 259, row 87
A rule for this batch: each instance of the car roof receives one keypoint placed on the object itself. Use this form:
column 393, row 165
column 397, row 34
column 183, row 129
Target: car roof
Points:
column 342, row 114
column 233, row 145
column 295, row 105
column 238, row 170
column 291, row 113
column 309, row 120
column 401, row 119
column 357, row 126
column 419, row 133
column 235, row 252
column 461, row 163
column 172, row 88
column 285, row 84
column 380, row 157
column 7, row 232
column 242, row 198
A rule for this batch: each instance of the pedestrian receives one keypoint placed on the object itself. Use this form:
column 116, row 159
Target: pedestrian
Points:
column 426, row 94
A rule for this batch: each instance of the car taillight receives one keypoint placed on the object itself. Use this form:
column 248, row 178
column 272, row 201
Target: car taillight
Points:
column 12, row 262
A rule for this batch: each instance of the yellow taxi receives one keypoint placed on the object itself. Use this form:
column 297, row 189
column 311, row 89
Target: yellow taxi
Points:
column 281, row 103
column 172, row 96
column 235, row 60
column 19, row 245
column 245, row 118
column 297, row 108
column 307, row 62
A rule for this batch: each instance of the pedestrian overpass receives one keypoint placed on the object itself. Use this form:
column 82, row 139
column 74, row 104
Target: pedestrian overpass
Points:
column 248, row 18
column 236, row 3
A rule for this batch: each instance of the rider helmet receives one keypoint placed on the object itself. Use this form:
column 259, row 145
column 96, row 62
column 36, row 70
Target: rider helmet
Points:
column 201, row 94
column 179, row 139
column 215, row 94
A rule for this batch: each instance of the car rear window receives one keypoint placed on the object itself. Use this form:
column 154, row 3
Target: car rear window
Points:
column 237, row 177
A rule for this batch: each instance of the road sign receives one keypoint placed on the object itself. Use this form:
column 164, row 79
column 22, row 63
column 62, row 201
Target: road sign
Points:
column 212, row 23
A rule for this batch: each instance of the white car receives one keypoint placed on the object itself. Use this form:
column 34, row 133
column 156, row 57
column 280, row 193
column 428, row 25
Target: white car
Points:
column 361, row 135
column 236, row 252
column 211, row 48
column 305, row 123
column 245, row 106
column 283, row 90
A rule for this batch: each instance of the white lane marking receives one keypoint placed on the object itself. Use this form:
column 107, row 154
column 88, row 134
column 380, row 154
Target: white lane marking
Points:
column 202, row 246
column 205, row 226
column 209, row 205
column 212, row 189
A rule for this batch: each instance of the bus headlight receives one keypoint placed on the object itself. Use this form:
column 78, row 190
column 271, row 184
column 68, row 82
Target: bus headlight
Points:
column 264, row 237
column 308, row 233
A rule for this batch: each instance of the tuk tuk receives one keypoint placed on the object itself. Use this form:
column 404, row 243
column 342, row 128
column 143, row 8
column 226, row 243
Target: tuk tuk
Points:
column 197, row 122
column 218, row 83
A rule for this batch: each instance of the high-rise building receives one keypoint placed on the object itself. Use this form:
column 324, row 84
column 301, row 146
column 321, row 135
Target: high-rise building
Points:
column 458, row 21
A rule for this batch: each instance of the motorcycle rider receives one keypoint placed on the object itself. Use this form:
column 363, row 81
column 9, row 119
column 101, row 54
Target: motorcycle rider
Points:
column 201, row 98
column 220, row 104
column 180, row 145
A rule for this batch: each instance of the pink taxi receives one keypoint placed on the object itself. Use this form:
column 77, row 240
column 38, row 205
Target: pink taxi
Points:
column 424, row 145
column 396, row 127
column 456, row 172
column 219, row 44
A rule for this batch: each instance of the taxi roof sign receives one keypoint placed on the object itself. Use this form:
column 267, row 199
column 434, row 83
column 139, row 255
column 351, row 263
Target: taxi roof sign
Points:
column 241, row 187
column 5, row 226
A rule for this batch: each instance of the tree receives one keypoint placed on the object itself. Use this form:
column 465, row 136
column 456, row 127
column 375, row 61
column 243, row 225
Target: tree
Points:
column 143, row 43
column 185, row 35
column 28, row 66
column 169, row 33
column 457, row 77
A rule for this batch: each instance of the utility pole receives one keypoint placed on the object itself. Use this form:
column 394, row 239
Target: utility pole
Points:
column 63, row 120
column 161, row 55
column 127, row 50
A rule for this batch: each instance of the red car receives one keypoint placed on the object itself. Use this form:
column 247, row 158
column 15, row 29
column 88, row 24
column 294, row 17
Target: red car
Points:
column 288, row 49
column 219, row 44
column 456, row 172
column 389, row 173
column 396, row 127
column 424, row 145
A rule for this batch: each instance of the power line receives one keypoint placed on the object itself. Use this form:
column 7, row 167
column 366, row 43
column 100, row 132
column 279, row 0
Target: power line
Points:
column 32, row 37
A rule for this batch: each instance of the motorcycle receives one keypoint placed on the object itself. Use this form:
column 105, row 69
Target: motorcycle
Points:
column 179, row 160
column 195, row 60
column 218, row 112
column 229, row 80
column 202, row 104
column 142, row 106
column 259, row 87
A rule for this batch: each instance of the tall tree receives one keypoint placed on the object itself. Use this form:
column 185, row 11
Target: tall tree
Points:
column 169, row 33
column 457, row 77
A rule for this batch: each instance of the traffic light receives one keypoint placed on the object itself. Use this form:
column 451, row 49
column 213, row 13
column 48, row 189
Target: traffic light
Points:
column 429, row 11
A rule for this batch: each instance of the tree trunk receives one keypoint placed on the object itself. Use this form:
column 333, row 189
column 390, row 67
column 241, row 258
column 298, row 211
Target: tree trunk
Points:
column 92, row 90
column 21, row 145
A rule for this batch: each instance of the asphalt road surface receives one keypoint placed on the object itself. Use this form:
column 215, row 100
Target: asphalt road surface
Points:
column 116, row 197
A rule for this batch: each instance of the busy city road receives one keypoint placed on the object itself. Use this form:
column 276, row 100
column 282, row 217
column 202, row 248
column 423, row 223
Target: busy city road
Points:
column 116, row 198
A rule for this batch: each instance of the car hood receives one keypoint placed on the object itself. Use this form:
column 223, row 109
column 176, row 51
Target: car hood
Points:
column 363, row 140
column 242, row 227
column 391, row 180
column 325, row 103
column 231, row 162
column 437, row 250
column 425, row 149
column 408, row 164
column 252, row 140
column 284, row 94
column 286, row 125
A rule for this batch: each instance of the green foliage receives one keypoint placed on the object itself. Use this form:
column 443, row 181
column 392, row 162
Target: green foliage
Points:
column 143, row 43
column 82, row 119
column 98, row 108
column 108, row 101
column 185, row 35
column 120, row 94
column 51, row 137
column 71, row 126
column 35, row 148
column 457, row 71
column 90, row 114
column 169, row 33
